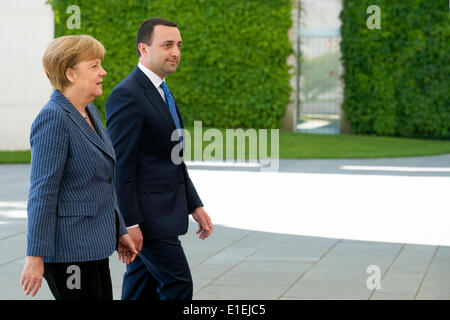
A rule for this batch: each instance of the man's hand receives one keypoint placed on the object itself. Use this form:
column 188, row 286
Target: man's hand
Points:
column 136, row 235
column 32, row 273
column 127, row 251
column 205, row 226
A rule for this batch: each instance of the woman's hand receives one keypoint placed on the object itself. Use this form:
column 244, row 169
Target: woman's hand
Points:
column 127, row 251
column 32, row 273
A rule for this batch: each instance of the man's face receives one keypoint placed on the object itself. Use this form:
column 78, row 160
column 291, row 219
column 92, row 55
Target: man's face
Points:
column 163, row 55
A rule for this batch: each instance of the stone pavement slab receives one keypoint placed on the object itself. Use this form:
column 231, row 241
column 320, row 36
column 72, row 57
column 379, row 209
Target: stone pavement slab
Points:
column 406, row 273
column 436, row 282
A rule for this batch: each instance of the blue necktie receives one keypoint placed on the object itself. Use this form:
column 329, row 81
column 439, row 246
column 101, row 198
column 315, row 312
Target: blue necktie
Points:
column 173, row 111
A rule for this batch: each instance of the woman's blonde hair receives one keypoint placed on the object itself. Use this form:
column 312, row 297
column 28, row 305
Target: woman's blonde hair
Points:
column 65, row 52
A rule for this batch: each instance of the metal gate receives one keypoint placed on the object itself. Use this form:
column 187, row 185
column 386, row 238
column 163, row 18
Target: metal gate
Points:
column 320, row 89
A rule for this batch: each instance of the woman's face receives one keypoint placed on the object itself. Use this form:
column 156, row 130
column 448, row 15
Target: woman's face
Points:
column 87, row 77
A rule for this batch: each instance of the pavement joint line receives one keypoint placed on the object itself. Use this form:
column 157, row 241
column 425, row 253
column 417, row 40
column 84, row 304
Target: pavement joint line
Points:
column 388, row 268
column 311, row 267
column 13, row 235
column 228, row 285
column 282, row 261
column 232, row 267
column 426, row 272
column 220, row 250
column 11, row 261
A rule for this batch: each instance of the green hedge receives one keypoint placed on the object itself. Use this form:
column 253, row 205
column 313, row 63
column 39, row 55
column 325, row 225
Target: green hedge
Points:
column 397, row 78
column 233, row 70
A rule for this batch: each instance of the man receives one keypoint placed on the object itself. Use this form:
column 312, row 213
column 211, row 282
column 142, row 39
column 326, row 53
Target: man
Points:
column 155, row 193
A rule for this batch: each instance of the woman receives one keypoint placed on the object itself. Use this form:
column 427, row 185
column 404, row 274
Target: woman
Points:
column 73, row 221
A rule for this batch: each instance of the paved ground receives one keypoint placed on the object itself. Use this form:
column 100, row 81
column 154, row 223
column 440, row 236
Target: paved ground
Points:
column 268, row 253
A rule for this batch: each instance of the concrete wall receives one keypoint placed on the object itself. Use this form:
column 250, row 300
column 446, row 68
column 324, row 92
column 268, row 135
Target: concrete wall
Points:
column 26, row 28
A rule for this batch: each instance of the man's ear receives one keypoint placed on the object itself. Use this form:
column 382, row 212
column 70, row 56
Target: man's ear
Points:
column 142, row 48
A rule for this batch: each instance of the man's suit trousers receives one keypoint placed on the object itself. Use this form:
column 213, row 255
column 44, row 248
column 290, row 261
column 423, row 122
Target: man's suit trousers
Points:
column 160, row 272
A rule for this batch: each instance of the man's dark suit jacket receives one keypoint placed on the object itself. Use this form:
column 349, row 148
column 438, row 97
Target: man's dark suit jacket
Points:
column 152, row 190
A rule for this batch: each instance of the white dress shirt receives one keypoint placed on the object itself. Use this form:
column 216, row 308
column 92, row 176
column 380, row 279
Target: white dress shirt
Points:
column 154, row 78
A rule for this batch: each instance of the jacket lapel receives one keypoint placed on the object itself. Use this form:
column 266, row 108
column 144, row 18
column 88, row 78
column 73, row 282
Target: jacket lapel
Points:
column 155, row 98
column 97, row 122
column 82, row 124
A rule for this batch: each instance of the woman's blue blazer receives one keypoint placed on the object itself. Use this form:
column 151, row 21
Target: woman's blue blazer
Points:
column 72, row 206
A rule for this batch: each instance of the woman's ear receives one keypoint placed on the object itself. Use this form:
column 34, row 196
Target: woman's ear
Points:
column 71, row 75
